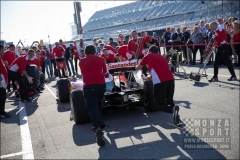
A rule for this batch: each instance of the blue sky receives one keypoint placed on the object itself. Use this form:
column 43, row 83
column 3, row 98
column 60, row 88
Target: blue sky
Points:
column 33, row 20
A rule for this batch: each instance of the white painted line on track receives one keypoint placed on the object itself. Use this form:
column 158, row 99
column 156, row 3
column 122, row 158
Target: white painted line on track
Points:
column 51, row 91
column 25, row 133
column 12, row 155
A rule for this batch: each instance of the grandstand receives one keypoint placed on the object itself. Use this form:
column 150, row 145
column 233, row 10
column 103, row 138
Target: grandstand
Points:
column 155, row 15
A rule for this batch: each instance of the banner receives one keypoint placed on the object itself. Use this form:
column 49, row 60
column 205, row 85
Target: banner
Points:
column 61, row 65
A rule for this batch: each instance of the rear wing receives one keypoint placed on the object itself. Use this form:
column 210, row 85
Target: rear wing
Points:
column 125, row 66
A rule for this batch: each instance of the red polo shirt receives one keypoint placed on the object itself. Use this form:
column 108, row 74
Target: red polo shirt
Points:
column 51, row 54
column 3, row 71
column 111, row 50
column 133, row 45
column 110, row 58
column 93, row 69
column 75, row 52
column 123, row 51
column 158, row 67
column 121, row 43
column 63, row 45
column 19, row 64
column 9, row 57
column 43, row 55
column 36, row 62
column 220, row 37
column 58, row 51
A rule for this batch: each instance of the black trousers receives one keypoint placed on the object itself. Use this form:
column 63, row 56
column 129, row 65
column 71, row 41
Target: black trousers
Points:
column 53, row 62
column 223, row 53
column 22, row 87
column 163, row 94
column 237, row 50
column 93, row 95
column 3, row 97
column 43, row 67
column 76, row 64
column 195, row 49
column 11, row 79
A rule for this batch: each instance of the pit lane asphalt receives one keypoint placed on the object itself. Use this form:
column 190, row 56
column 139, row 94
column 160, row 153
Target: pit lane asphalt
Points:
column 129, row 134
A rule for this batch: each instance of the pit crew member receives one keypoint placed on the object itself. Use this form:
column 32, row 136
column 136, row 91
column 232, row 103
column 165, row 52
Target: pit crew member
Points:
column 163, row 82
column 17, row 68
column 94, row 88
column 220, row 42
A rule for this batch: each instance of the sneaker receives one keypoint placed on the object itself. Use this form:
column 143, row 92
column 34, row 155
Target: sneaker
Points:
column 178, row 121
column 99, row 135
column 232, row 78
column 214, row 79
column 175, row 114
column 5, row 115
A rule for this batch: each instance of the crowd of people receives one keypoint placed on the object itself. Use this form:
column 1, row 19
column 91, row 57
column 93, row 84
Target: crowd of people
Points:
column 91, row 59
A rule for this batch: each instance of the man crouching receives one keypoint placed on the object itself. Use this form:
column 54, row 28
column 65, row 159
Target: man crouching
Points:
column 163, row 82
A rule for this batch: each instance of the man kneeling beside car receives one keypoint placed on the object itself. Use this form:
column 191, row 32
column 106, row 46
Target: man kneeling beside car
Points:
column 163, row 82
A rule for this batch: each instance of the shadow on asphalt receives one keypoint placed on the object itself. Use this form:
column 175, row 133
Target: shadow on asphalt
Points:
column 63, row 107
column 138, row 135
column 201, row 84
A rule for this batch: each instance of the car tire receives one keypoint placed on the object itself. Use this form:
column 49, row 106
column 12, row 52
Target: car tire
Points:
column 63, row 90
column 41, row 79
column 79, row 111
column 150, row 103
column 32, row 71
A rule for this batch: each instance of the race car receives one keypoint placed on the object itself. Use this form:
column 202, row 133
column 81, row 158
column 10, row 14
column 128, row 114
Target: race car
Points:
column 121, row 91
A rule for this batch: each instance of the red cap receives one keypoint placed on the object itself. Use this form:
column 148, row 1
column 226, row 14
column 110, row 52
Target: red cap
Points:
column 167, row 28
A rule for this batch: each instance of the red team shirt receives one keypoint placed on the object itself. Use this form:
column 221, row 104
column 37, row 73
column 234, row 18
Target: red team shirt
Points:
column 158, row 67
column 58, row 51
column 9, row 57
column 121, row 43
column 51, row 54
column 75, row 52
column 220, row 37
column 111, row 50
column 110, row 58
column 19, row 64
column 64, row 46
column 93, row 74
column 43, row 55
column 133, row 45
column 36, row 62
column 3, row 71
column 123, row 51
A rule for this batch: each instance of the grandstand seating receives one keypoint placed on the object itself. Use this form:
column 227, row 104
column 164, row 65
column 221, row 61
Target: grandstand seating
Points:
column 144, row 15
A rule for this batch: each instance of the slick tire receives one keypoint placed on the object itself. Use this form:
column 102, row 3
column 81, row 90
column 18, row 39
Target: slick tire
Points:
column 79, row 111
column 63, row 90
